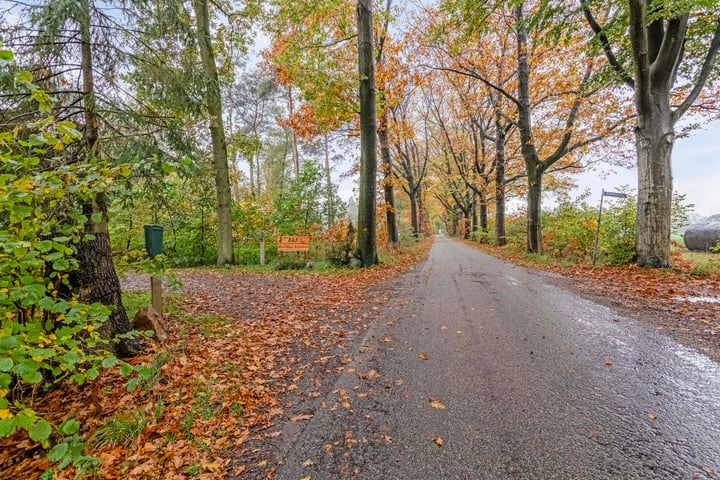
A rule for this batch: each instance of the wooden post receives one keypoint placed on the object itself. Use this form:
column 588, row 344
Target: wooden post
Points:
column 156, row 294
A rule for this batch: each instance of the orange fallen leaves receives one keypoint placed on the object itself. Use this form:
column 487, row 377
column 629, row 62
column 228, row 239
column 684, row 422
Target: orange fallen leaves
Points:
column 437, row 404
column 224, row 374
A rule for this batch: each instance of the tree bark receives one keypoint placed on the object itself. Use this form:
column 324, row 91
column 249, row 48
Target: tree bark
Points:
column 217, row 135
column 654, row 203
column 500, row 239
column 367, row 238
column 414, row 213
column 483, row 213
column 295, row 152
column 95, row 280
column 328, row 184
column 388, row 190
column 534, row 213
column 529, row 152
column 393, row 237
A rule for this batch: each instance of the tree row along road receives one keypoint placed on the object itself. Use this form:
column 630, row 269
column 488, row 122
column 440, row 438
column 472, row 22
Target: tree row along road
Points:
column 491, row 371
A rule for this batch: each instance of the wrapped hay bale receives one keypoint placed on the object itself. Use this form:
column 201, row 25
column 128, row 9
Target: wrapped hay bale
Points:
column 702, row 237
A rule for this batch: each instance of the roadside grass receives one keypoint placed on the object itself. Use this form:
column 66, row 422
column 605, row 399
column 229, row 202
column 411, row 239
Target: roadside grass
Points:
column 135, row 300
column 702, row 264
column 120, row 430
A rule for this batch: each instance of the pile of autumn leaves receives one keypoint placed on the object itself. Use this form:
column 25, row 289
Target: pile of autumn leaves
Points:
column 214, row 383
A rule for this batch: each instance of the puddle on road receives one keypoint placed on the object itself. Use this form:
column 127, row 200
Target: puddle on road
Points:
column 699, row 299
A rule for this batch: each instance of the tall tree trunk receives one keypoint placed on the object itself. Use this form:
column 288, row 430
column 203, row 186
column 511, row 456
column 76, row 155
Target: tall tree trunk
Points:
column 367, row 238
column 393, row 237
column 217, row 134
column 534, row 213
column 414, row 213
column 654, row 138
column 251, row 165
column 388, row 190
column 529, row 152
column 483, row 212
column 500, row 239
column 328, row 184
column 422, row 214
column 295, row 152
column 95, row 280
column 258, row 177
column 474, row 211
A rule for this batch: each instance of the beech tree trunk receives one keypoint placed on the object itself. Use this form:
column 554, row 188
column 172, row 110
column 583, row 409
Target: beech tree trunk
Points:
column 483, row 213
column 388, row 190
column 295, row 152
column 96, row 280
column 328, row 184
column 534, row 213
column 654, row 139
column 414, row 221
column 367, row 238
column 500, row 239
column 393, row 237
column 217, row 135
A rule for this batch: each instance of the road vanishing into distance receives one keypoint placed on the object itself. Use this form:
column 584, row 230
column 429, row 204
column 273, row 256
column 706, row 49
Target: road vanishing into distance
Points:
column 491, row 371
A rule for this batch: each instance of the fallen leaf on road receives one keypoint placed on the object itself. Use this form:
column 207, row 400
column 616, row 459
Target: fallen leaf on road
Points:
column 443, row 328
column 271, row 473
column 212, row 467
column 652, row 416
column 370, row 374
column 608, row 363
column 439, row 441
column 424, row 356
column 437, row 404
column 307, row 463
column 300, row 418
column 387, row 438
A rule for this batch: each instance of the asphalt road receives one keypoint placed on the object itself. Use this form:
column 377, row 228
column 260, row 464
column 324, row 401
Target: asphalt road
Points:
column 516, row 378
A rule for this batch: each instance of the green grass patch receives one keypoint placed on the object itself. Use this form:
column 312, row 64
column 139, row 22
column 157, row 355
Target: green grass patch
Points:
column 120, row 430
column 703, row 263
column 135, row 300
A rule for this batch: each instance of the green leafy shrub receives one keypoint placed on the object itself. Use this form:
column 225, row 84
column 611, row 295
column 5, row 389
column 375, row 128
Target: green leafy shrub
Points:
column 617, row 232
column 569, row 231
column 46, row 335
column 340, row 242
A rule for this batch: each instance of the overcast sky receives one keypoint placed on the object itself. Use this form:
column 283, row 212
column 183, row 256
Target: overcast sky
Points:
column 696, row 172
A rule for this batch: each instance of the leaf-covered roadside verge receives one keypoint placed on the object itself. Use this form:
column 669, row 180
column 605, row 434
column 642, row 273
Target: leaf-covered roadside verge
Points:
column 677, row 303
column 237, row 343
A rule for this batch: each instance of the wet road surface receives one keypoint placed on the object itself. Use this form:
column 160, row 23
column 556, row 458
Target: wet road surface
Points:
column 515, row 378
